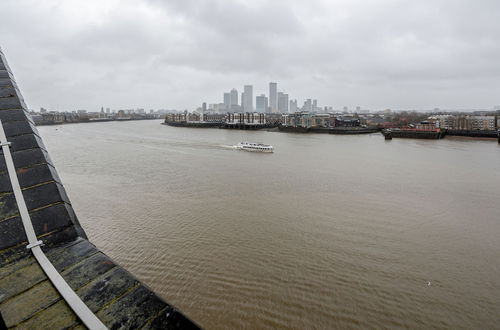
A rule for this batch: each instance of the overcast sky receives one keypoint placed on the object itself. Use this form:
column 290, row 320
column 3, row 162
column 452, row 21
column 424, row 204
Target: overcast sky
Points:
column 377, row 54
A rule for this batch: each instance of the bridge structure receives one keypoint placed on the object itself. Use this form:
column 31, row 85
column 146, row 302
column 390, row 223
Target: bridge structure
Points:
column 51, row 276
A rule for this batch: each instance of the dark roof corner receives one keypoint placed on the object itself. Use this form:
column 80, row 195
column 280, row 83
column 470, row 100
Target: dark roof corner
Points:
column 27, row 298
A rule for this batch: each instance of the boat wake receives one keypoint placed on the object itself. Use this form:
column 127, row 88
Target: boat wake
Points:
column 228, row 147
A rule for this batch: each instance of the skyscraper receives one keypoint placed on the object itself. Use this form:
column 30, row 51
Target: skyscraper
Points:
column 282, row 102
column 261, row 103
column 227, row 100
column 248, row 102
column 307, row 105
column 273, row 96
column 293, row 106
column 233, row 97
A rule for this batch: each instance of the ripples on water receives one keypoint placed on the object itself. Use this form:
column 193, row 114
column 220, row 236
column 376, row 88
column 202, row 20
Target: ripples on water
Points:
column 327, row 232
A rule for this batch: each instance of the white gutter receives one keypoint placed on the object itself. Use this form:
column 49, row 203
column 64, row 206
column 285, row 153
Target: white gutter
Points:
column 77, row 305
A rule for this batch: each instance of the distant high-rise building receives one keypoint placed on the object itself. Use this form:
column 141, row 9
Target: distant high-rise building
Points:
column 248, row 102
column 261, row 103
column 233, row 97
column 282, row 102
column 307, row 105
column 315, row 105
column 358, row 109
column 204, row 106
column 227, row 100
column 273, row 96
column 293, row 106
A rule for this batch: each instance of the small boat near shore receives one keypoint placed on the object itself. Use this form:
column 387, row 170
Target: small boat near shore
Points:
column 255, row 147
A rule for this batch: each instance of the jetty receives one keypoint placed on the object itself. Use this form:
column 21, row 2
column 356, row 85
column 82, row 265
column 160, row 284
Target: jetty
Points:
column 329, row 130
column 437, row 133
column 412, row 133
column 51, row 276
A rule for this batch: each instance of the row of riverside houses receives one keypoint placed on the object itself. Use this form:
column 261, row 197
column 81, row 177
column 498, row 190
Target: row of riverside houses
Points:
column 489, row 121
column 466, row 122
column 298, row 119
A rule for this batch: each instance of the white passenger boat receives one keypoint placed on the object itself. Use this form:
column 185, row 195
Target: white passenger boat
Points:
column 256, row 147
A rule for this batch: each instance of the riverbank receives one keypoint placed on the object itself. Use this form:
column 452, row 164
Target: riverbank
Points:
column 438, row 133
column 240, row 126
column 90, row 121
column 221, row 226
column 329, row 130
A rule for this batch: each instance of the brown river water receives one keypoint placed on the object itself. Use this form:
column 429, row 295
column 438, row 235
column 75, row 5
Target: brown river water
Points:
column 328, row 232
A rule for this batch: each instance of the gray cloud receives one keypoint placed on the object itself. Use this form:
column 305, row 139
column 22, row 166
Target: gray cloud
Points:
column 177, row 54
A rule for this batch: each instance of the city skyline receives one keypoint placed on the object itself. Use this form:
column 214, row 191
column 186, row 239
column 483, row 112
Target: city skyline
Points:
column 383, row 54
column 274, row 102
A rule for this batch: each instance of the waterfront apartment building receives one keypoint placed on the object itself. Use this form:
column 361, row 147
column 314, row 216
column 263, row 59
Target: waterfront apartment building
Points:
column 246, row 118
column 307, row 119
column 190, row 117
column 298, row 119
column 484, row 123
column 444, row 121
column 465, row 122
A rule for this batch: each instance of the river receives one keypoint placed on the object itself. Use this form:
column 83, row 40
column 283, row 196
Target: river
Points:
column 328, row 232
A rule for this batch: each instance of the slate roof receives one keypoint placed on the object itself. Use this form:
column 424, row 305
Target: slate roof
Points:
column 27, row 298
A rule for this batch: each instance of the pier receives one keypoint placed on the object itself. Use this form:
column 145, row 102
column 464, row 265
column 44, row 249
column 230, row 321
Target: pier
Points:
column 472, row 133
column 412, row 133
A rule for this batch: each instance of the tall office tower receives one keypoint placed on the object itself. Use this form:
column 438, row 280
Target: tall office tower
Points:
column 227, row 100
column 233, row 97
column 242, row 101
column 315, row 105
column 273, row 96
column 307, row 105
column 204, row 106
column 261, row 103
column 293, row 106
column 248, row 104
column 282, row 102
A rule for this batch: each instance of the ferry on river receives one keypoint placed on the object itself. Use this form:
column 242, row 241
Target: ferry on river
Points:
column 256, row 147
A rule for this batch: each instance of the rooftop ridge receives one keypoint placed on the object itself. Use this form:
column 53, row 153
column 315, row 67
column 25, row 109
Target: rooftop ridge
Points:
column 118, row 299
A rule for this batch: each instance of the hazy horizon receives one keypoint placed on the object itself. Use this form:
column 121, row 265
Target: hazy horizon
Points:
column 70, row 55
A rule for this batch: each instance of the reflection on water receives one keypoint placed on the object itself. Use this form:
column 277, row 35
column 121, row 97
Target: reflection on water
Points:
column 328, row 232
